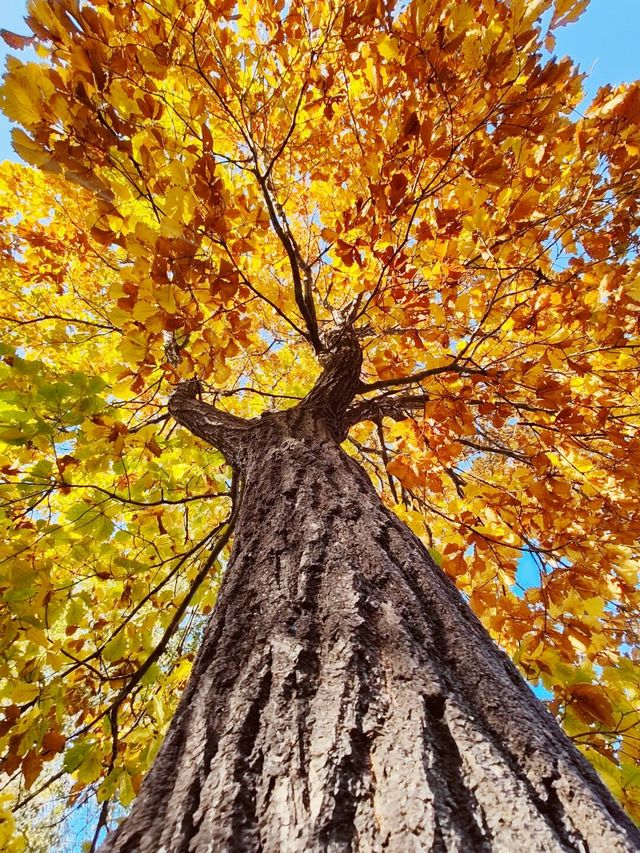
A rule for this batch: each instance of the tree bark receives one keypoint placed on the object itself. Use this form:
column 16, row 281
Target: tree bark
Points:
column 345, row 697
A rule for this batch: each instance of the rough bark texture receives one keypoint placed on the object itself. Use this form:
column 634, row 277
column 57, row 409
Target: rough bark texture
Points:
column 345, row 697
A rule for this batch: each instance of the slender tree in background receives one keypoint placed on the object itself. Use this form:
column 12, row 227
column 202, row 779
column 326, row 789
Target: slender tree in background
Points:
column 343, row 298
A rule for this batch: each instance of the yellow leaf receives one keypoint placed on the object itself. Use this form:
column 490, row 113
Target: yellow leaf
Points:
column 22, row 693
column 388, row 47
column 25, row 93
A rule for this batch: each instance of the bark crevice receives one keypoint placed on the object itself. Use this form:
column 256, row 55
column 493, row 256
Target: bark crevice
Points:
column 248, row 768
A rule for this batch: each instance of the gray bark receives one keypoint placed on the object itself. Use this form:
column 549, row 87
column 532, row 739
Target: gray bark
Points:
column 345, row 698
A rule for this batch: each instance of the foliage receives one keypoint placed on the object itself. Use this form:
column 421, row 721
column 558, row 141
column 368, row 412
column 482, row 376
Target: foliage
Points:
column 217, row 186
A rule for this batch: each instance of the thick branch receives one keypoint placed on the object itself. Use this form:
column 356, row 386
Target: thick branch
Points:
column 384, row 406
column 338, row 383
column 219, row 428
column 327, row 402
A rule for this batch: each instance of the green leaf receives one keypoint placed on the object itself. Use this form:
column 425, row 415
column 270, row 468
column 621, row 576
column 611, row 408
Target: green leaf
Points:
column 115, row 648
column 75, row 755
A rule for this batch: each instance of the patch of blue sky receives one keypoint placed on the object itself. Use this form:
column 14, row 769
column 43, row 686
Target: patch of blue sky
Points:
column 527, row 574
column 65, row 447
column 604, row 43
column 531, row 568
column 541, row 691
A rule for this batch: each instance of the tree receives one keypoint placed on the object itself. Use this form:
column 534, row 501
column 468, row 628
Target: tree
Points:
column 375, row 261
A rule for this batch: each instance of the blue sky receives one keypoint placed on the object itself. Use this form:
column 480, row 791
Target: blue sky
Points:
column 605, row 42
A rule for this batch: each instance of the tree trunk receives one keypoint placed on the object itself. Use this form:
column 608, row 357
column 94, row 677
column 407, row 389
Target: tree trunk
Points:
column 346, row 699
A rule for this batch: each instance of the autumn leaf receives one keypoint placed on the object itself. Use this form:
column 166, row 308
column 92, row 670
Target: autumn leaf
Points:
column 31, row 767
column 16, row 41
column 591, row 704
column 53, row 742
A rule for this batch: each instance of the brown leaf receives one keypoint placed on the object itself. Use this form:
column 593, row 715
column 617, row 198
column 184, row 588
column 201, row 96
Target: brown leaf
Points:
column 31, row 767
column 412, row 125
column 591, row 704
column 16, row 41
column 53, row 742
column 397, row 188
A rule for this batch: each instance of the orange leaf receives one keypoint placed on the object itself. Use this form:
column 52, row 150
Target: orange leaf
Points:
column 591, row 704
column 400, row 468
column 397, row 188
column 31, row 767
column 53, row 742
column 16, row 41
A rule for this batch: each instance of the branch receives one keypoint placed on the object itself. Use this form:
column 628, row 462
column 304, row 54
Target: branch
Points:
column 385, row 406
column 60, row 484
column 33, row 794
column 216, row 427
column 258, row 293
column 385, row 458
column 495, row 448
column 171, row 628
column 73, row 321
column 180, row 610
column 454, row 367
column 303, row 295
column 153, row 591
column 338, row 383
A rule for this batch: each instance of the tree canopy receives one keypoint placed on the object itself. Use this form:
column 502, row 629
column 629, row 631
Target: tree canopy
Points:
column 214, row 188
